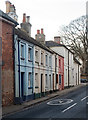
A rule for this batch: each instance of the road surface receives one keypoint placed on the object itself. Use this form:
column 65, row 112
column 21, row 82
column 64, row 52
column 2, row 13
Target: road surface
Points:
column 72, row 105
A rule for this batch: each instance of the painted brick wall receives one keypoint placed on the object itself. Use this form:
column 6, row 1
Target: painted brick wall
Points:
column 7, row 68
column 61, row 71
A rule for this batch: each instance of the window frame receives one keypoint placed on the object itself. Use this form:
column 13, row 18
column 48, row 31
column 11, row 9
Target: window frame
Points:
column 30, row 85
column 60, row 79
column 42, row 60
column 22, row 55
column 46, row 59
column 36, row 57
column 30, row 54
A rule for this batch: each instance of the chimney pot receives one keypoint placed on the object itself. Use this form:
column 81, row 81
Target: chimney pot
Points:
column 57, row 39
column 38, row 31
column 28, row 19
column 24, row 17
column 41, row 30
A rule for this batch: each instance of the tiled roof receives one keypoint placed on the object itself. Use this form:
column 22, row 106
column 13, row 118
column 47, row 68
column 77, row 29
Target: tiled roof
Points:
column 54, row 44
column 4, row 15
column 23, row 35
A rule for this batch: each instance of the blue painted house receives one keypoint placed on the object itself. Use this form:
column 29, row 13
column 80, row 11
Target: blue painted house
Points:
column 24, row 56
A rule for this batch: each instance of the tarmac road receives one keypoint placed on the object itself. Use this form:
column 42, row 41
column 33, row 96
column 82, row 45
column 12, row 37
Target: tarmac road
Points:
column 76, row 108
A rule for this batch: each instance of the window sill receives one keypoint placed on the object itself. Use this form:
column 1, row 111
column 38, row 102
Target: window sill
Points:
column 36, row 62
column 29, row 60
column 30, row 87
column 36, row 87
column 22, row 58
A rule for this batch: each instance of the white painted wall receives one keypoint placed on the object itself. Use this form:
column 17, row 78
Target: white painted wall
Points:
column 64, row 52
column 76, row 73
column 43, row 69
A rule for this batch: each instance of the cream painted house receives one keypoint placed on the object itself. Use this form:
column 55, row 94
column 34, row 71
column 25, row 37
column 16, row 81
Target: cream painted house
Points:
column 77, row 73
column 44, row 67
column 68, row 61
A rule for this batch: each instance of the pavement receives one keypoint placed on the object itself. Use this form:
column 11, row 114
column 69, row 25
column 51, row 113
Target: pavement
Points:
column 15, row 108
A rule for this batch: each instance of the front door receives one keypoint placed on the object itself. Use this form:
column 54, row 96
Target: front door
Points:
column 50, row 82
column 53, row 81
column 22, row 84
column 41, row 83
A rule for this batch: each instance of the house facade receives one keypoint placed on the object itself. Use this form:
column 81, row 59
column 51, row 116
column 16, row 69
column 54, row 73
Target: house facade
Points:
column 68, row 60
column 7, row 26
column 77, row 72
column 24, row 63
column 43, row 68
column 61, row 72
column 34, row 68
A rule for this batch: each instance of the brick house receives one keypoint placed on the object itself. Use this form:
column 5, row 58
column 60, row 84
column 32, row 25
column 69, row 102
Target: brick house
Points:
column 7, row 26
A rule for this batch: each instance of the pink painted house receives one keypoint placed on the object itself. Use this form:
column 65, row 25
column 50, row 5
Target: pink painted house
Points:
column 61, row 72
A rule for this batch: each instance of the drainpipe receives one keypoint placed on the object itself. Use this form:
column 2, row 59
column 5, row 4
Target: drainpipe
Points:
column 0, row 78
column 68, row 68
column 14, row 59
column 55, row 73
column 19, row 66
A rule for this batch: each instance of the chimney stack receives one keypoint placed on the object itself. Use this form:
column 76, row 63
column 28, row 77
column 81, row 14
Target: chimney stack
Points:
column 28, row 19
column 24, row 18
column 57, row 39
column 8, row 4
column 40, row 36
column 38, row 31
column 25, row 25
column 41, row 30
column 11, row 11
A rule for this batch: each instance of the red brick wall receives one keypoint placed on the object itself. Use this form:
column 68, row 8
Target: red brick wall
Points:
column 7, row 60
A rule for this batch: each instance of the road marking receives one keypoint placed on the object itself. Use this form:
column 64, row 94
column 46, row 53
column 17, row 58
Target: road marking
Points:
column 84, row 98
column 69, row 107
column 60, row 102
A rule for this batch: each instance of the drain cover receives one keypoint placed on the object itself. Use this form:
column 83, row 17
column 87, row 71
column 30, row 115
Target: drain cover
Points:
column 60, row 102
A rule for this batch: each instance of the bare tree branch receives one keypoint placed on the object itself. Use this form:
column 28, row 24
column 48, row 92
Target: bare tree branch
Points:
column 74, row 36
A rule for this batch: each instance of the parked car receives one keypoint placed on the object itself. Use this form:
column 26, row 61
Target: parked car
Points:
column 84, row 80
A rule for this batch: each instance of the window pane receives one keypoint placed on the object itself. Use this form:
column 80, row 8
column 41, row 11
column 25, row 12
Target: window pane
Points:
column 59, row 79
column 42, row 58
column 36, row 79
column 29, row 80
column 29, row 54
column 22, row 51
column 46, row 60
column 46, row 79
column 36, row 56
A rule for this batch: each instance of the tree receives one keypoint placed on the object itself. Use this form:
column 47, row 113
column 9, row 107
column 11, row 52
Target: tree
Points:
column 75, row 37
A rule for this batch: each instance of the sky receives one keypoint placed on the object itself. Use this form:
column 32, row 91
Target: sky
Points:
column 48, row 14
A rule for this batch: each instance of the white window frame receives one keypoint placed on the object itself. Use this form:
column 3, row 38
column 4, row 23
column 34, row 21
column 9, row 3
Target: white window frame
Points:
column 22, row 51
column 30, row 58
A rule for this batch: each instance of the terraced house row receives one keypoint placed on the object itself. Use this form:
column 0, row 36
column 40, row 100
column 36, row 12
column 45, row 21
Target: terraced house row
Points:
column 32, row 68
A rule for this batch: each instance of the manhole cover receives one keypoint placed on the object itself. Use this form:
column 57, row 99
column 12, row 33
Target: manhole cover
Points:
column 60, row 102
